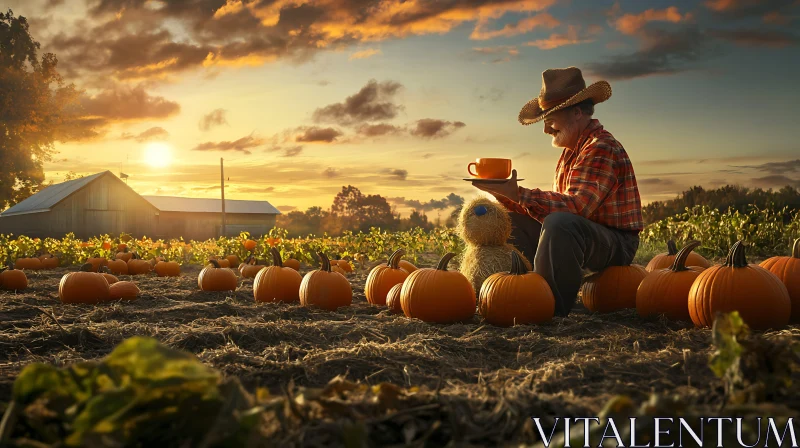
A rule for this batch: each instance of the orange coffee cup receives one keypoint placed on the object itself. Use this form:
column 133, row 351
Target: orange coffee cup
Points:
column 488, row 168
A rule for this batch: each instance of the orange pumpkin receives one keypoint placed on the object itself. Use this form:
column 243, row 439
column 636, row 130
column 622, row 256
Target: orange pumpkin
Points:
column 122, row 247
column 407, row 266
column 759, row 296
column 223, row 262
column 292, row 263
column 31, row 264
column 233, row 260
column 83, row 286
column 49, row 262
column 138, row 266
column 251, row 268
column 167, row 269
column 438, row 295
column 612, row 289
column 13, row 279
column 324, row 288
column 335, row 268
column 383, row 277
column 393, row 299
column 217, row 278
column 111, row 279
column 124, row 255
column 249, row 245
column 517, row 297
column 123, row 291
column 118, row 267
column 665, row 260
column 96, row 262
column 277, row 283
column 345, row 265
column 666, row 291
column 788, row 270
column 155, row 260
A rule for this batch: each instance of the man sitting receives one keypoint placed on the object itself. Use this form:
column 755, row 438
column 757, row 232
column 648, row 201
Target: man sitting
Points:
column 593, row 217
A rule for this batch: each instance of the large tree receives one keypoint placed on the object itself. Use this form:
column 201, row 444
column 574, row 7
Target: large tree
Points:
column 36, row 109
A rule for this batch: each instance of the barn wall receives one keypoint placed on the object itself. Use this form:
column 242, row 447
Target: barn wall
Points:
column 34, row 225
column 203, row 226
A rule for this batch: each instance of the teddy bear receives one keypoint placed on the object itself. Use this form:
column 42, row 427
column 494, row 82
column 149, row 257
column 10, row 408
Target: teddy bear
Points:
column 485, row 227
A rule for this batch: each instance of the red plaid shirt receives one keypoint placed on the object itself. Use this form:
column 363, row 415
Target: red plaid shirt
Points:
column 595, row 181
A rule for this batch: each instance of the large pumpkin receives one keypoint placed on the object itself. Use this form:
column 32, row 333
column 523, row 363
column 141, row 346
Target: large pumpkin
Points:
column 251, row 268
column 138, row 266
column 13, row 279
column 217, row 278
column 96, row 262
column 49, row 262
column 31, row 264
column 407, row 266
column 788, row 270
column 324, row 288
column 233, row 260
column 277, row 283
column 759, row 296
column 292, row 263
column 124, row 255
column 612, row 289
column 665, row 260
column 83, row 286
column 393, row 299
column 516, row 297
column 438, row 295
column 666, row 291
column 118, row 266
column 383, row 277
column 123, row 291
column 167, row 269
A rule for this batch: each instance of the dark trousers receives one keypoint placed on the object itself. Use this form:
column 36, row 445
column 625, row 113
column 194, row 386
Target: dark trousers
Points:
column 565, row 244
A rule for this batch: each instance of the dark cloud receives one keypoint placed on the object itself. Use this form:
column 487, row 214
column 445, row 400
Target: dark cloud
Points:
column 330, row 172
column 288, row 151
column 286, row 208
column 397, row 174
column 757, row 37
column 214, row 118
column 243, row 145
column 739, row 9
column 154, row 133
column 124, row 104
column 776, row 180
column 661, row 52
column 452, row 200
column 435, row 128
column 316, row 134
column 377, row 130
column 255, row 190
column 788, row 166
column 427, row 155
column 655, row 181
column 373, row 102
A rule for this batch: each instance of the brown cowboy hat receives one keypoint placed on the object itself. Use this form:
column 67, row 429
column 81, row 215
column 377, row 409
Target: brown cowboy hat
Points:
column 562, row 87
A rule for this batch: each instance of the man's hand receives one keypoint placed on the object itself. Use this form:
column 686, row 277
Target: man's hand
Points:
column 508, row 189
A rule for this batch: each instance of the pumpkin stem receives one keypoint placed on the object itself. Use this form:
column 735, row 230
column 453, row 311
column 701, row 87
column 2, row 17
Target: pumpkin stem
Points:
column 517, row 266
column 394, row 259
column 672, row 249
column 736, row 256
column 680, row 260
column 214, row 262
column 87, row 267
column 276, row 257
column 442, row 266
column 326, row 263
column 10, row 265
column 796, row 249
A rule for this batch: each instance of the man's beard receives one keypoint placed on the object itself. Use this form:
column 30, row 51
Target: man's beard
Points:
column 565, row 136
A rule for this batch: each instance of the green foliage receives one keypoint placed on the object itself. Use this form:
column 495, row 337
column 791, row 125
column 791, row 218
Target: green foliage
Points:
column 143, row 394
column 767, row 231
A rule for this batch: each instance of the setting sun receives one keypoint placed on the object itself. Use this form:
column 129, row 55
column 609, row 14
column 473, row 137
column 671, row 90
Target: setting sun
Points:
column 157, row 155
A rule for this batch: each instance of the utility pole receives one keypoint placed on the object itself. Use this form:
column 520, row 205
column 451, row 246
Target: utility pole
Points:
column 222, row 185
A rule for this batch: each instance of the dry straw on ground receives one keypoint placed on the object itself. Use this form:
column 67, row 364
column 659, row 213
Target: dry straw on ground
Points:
column 466, row 383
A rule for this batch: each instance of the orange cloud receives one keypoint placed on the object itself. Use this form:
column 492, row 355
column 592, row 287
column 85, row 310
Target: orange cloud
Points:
column 573, row 36
column 630, row 24
column 363, row 54
column 526, row 25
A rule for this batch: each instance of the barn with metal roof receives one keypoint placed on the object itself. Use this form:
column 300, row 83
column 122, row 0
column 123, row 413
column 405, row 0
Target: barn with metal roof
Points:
column 102, row 203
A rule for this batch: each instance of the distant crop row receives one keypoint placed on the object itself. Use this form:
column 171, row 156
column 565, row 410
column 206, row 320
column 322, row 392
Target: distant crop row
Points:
column 767, row 232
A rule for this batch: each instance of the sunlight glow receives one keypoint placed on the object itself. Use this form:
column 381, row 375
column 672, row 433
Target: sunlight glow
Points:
column 157, row 154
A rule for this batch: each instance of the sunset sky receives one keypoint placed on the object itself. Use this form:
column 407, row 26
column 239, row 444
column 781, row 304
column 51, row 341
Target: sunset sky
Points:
column 301, row 97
